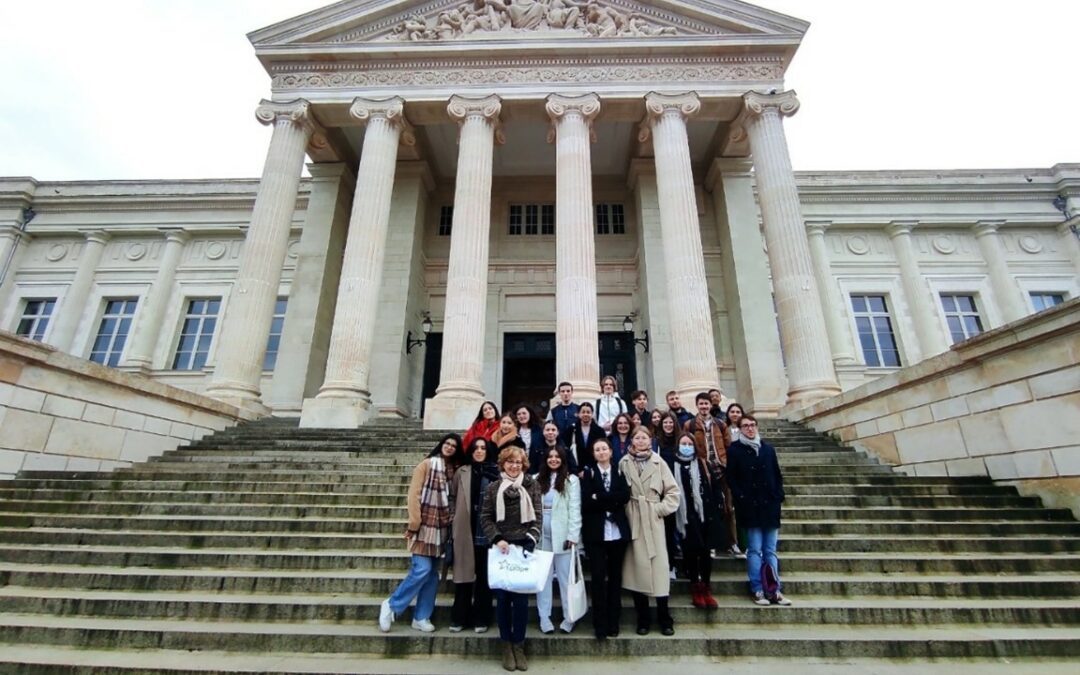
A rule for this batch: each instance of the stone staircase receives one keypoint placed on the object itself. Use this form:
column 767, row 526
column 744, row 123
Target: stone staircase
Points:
column 273, row 545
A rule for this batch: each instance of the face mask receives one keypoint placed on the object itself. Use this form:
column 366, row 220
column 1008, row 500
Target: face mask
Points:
column 686, row 451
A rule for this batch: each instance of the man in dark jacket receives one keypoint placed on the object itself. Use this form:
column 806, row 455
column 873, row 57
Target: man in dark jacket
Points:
column 565, row 412
column 580, row 437
column 757, row 488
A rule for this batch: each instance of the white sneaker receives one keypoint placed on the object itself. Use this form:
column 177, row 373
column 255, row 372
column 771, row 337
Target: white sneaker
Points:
column 566, row 626
column 779, row 599
column 546, row 627
column 423, row 625
column 386, row 616
column 760, row 599
column 481, row 629
column 456, row 628
column 736, row 552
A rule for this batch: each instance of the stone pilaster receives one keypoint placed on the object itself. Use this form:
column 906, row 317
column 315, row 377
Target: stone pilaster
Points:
column 1067, row 232
column 693, row 345
column 12, row 238
column 71, row 310
column 246, row 326
column 344, row 400
column 1010, row 298
column 921, row 301
column 576, row 331
column 147, row 328
column 832, row 302
column 811, row 375
column 460, row 390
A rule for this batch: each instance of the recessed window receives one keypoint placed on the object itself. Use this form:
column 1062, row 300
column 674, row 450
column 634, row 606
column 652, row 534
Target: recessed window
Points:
column 532, row 219
column 113, row 331
column 962, row 316
column 35, row 318
column 196, row 333
column 273, row 342
column 874, row 325
column 1043, row 301
column 610, row 219
column 446, row 221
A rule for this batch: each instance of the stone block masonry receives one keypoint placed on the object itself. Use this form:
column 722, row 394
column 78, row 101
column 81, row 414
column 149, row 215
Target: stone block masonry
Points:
column 1005, row 404
column 62, row 413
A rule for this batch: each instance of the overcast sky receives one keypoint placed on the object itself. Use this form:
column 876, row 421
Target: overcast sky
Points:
column 129, row 89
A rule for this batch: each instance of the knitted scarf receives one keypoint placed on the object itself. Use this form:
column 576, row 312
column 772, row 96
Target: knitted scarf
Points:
column 434, row 512
column 528, row 515
column 754, row 442
column 694, row 489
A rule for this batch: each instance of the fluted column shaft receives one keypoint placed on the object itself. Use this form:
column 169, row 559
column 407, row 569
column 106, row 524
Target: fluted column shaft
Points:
column 144, row 335
column 246, row 326
column 811, row 376
column 71, row 310
column 576, row 329
column 920, row 300
column 831, row 300
column 693, row 348
column 1009, row 296
column 348, row 365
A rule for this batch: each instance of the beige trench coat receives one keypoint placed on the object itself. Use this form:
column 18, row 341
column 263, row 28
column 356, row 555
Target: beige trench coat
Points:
column 653, row 495
column 464, row 562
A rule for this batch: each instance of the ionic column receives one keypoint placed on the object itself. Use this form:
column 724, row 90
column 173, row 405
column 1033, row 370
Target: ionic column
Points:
column 811, row 376
column 344, row 399
column 250, row 310
column 693, row 350
column 1009, row 296
column 74, row 305
column 576, row 330
column 1069, row 241
column 921, row 301
column 831, row 300
column 460, row 390
column 147, row 329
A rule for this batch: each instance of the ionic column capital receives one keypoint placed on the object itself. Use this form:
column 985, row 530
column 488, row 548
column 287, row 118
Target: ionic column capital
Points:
column 755, row 103
column 1069, row 226
column 985, row 228
column 816, row 228
column 559, row 107
column 178, row 235
column 391, row 110
column 97, row 236
column 898, row 228
column 488, row 108
column 658, row 106
column 297, row 112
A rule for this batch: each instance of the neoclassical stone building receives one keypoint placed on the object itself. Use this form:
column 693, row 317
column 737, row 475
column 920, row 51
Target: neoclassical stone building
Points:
column 528, row 178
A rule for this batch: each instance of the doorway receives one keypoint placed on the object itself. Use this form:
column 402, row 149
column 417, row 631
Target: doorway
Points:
column 528, row 370
column 432, row 368
column 618, row 359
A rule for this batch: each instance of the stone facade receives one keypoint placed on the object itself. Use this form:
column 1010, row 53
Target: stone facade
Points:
column 529, row 176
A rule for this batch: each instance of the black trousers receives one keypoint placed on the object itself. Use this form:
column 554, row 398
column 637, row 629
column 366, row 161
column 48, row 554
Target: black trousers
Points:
column 605, row 568
column 671, row 540
column 472, row 601
column 697, row 563
column 663, row 614
column 512, row 611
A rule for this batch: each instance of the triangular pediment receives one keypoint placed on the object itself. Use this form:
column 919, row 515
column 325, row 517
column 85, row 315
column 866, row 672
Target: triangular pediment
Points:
column 433, row 22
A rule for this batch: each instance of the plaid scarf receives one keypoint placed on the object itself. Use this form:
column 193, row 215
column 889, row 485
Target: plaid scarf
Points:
column 434, row 512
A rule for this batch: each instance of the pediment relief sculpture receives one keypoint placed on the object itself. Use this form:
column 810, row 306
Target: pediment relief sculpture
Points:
column 572, row 17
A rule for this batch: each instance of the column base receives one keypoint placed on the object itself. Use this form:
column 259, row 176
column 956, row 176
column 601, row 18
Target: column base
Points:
column 335, row 413
column 244, row 398
column 451, row 412
column 808, row 395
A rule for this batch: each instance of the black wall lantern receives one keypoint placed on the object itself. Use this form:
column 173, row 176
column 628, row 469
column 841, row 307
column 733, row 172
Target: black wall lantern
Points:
column 410, row 342
column 628, row 326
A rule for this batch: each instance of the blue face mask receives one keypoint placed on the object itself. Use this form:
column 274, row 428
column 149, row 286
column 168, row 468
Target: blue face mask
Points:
column 686, row 451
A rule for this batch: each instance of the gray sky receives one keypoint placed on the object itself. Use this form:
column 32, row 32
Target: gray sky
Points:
column 129, row 89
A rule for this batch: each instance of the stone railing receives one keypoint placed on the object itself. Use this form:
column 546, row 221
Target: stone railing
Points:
column 1005, row 404
column 62, row 413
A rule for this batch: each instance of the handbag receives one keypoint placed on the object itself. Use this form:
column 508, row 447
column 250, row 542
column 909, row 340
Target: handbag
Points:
column 577, row 602
column 518, row 571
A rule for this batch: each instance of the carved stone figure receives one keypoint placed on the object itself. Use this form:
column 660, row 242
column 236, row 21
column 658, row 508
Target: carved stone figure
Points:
column 526, row 14
column 564, row 14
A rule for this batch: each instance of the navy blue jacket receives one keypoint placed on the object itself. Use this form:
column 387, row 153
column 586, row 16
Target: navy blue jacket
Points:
column 564, row 416
column 757, row 487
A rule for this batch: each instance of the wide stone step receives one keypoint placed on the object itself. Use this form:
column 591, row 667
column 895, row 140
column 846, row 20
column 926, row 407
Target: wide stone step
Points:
column 690, row 640
column 365, row 609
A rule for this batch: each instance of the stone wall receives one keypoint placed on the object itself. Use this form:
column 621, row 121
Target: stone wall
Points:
column 62, row 413
column 1005, row 404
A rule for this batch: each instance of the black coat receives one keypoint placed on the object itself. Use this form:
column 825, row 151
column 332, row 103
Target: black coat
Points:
column 707, row 530
column 584, row 445
column 538, row 456
column 757, row 487
column 596, row 503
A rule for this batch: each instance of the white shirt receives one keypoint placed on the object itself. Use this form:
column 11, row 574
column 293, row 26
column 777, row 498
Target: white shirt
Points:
column 611, row 530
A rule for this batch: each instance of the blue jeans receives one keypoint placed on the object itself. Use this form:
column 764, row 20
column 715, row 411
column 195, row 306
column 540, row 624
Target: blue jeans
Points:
column 420, row 582
column 760, row 544
column 512, row 613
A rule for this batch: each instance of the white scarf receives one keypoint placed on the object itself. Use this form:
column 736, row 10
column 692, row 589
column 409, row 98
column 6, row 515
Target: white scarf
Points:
column 528, row 514
column 754, row 442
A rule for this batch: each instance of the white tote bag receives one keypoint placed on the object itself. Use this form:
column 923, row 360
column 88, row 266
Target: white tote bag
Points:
column 576, row 599
column 517, row 570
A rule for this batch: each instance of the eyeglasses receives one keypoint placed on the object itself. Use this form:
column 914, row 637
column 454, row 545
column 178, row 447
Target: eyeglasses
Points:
column 748, row 425
column 513, row 461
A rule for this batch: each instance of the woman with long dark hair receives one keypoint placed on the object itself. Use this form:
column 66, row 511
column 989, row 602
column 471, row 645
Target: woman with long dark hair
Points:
column 621, row 427
column 605, row 531
column 506, row 433
column 734, row 413
column 427, row 534
column 485, row 424
column 562, row 531
column 529, row 430
column 472, row 597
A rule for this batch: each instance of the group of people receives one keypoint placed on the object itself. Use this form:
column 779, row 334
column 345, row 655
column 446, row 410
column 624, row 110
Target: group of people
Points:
column 635, row 490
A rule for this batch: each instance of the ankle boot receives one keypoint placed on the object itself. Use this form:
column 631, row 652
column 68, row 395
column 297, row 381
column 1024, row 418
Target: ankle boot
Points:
column 707, row 596
column 519, row 656
column 508, row 662
column 696, row 595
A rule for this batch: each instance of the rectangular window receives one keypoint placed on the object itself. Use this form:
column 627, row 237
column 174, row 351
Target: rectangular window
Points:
column 277, row 325
column 1043, row 301
column 875, row 330
column 547, row 219
column 532, row 219
column 113, row 331
column 610, row 219
column 196, row 333
column 446, row 220
column 962, row 316
column 35, row 318
column 515, row 218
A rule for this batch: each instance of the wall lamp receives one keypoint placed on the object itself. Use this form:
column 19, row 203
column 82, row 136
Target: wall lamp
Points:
column 628, row 326
column 410, row 342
